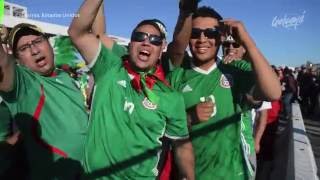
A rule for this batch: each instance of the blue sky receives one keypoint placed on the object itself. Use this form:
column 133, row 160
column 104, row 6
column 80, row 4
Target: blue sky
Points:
column 281, row 45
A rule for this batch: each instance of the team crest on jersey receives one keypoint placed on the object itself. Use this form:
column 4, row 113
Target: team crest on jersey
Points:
column 148, row 104
column 226, row 80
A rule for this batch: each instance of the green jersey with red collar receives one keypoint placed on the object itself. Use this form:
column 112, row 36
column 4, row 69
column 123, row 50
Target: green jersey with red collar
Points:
column 125, row 127
column 52, row 119
column 217, row 142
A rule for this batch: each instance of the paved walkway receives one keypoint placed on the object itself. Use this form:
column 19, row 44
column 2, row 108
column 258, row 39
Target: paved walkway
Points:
column 305, row 165
column 313, row 132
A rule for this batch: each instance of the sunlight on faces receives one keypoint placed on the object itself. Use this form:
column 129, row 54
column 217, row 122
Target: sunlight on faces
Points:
column 204, row 49
column 144, row 55
column 36, row 53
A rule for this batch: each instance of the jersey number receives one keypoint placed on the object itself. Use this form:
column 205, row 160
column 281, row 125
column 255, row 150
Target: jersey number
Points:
column 128, row 106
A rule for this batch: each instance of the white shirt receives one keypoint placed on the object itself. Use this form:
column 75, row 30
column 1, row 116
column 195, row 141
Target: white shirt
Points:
column 265, row 105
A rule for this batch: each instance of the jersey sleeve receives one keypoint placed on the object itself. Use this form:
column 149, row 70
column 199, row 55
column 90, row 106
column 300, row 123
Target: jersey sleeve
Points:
column 105, row 60
column 174, row 78
column 119, row 50
column 243, row 76
column 23, row 78
column 177, row 120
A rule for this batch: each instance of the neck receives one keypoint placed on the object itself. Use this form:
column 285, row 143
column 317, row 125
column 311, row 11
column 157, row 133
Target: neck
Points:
column 204, row 65
column 52, row 73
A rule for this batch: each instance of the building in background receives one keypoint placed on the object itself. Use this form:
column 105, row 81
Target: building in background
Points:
column 15, row 14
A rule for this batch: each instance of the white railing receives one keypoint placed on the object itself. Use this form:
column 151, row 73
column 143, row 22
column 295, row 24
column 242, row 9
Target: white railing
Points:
column 304, row 162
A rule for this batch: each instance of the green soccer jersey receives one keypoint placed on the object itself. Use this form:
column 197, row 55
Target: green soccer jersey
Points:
column 125, row 127
column 247, row 141
column 216, row 143
column 51, row 116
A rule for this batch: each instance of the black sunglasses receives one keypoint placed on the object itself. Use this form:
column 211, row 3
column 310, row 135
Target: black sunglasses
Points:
column 210, row 33
column 229, row 44
column 142, row 36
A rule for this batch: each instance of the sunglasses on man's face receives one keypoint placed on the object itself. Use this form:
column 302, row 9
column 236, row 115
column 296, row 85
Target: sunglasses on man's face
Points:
column 229, row 44
column 210, row 33
column 142, row 36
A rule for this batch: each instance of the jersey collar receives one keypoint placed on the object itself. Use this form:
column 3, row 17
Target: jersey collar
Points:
column 202, row 71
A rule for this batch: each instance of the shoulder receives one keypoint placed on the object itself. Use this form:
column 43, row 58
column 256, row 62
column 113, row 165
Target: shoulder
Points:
column 176, row 75
column 119, row 50
column 176, row 71
column 240, row 65
column 172, row 97
column 24, row 72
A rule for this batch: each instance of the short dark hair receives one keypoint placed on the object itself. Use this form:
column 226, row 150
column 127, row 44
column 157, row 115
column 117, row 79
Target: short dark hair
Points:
column 206, row 11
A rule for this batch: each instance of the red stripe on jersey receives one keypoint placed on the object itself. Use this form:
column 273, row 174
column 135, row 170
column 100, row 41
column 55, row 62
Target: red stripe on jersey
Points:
column 35, row 125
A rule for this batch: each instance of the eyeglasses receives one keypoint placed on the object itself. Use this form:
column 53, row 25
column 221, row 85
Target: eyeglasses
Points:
column 35, row 42
column 142, row 36
column 210, row 33
column 229, row 44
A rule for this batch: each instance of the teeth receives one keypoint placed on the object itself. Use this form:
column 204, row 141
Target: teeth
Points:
column 202, row 50
column 39, row 59
column 146, row 52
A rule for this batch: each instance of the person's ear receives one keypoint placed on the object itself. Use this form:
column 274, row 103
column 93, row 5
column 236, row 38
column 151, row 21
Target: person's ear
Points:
column 129, row 46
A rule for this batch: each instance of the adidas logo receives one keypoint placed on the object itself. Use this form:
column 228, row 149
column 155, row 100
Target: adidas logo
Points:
column 122, row 83
column 230, row 39
column 187, row 88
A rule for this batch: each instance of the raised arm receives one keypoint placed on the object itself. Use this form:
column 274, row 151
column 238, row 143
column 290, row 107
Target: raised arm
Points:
column 182, row 31
column 99, row 29
column 267, row 82
column 6, row 69
column 80, row 30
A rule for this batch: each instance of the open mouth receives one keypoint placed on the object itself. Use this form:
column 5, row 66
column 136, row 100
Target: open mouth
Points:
column 41, row 61
column 144, row 55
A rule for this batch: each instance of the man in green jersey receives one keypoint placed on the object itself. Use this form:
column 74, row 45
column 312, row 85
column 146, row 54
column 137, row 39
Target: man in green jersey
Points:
column 233, row 51
column 213, row 92
column 133, row 106
column 46, row 104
